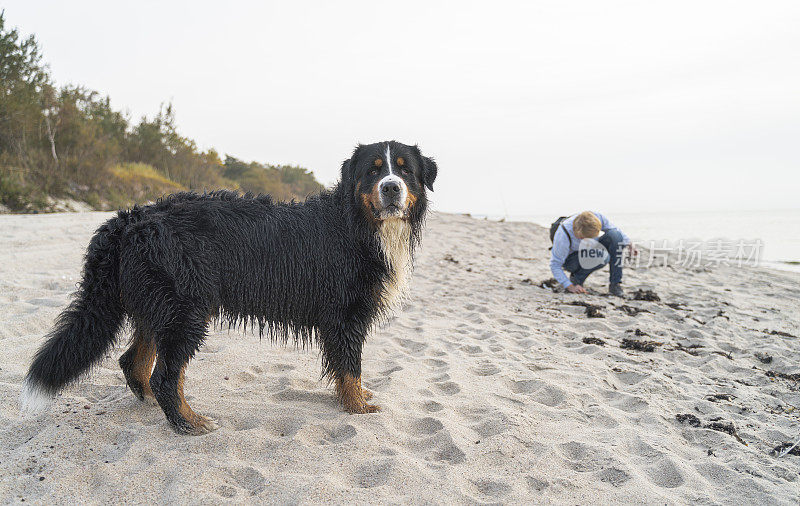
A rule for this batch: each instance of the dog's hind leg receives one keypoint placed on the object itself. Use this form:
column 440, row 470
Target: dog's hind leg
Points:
column 174, row 351
column 137, row 364
column 169, row 394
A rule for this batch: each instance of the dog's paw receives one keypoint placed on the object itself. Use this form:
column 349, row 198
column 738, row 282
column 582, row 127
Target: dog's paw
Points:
column 365, row 408
column 204, row 425
column 197, row 426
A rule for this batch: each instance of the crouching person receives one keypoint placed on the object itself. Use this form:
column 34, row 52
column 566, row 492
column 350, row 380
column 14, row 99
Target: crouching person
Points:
column 581, row 258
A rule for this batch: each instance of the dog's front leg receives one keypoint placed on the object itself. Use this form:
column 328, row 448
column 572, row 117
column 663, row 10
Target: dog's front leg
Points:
column 342, row 350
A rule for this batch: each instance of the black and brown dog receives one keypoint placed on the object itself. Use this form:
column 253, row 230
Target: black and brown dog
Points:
column 325, row 270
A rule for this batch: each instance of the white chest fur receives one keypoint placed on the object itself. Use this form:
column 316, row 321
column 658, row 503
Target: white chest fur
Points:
column 395, row 240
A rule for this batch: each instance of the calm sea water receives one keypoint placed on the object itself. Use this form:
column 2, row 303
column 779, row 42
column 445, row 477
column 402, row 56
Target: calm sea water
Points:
column 779, row 230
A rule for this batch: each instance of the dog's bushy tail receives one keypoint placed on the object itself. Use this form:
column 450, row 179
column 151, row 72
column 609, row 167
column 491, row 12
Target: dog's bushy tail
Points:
column 86, row 329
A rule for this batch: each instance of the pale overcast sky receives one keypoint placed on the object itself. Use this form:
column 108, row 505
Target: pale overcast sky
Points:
column 529, row 107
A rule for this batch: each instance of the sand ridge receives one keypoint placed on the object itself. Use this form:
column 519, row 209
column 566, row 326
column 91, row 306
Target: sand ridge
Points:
column 489, row 392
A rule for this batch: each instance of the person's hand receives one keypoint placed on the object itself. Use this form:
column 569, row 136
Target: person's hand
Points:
column 576, row 289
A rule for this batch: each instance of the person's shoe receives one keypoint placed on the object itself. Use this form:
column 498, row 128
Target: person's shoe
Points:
column 616, row 290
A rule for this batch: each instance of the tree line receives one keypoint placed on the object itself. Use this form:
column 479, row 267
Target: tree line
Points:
column 69, row 143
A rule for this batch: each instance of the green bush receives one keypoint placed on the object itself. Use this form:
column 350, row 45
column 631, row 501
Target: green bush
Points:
column 69, row 142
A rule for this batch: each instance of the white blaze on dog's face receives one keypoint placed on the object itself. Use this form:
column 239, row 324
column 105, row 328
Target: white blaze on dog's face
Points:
column 393, row 190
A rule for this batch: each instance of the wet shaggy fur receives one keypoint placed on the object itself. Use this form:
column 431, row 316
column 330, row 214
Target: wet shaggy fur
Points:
column 323, row 272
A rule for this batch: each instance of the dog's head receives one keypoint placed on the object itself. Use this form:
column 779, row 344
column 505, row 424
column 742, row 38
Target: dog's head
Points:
column 388, row 180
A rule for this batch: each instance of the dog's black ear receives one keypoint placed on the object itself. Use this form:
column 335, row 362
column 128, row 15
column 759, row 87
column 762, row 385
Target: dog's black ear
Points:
column 429, row 169
column 429, row 172
column 349, row 165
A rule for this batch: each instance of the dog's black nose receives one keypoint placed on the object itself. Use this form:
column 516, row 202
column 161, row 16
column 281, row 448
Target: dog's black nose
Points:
column 390, row 188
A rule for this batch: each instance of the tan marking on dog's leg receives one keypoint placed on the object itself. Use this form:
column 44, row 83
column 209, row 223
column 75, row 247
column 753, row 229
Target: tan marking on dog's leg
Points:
column 201, row 424
column 352, row 396
column 137, row 364
column 143, row 365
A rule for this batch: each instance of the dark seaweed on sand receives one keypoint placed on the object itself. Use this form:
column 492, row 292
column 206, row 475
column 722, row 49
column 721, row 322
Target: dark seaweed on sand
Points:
column 692, row 349
column 727, row 428
column 779, row 333
column 677, row 305
column 592, row 310
column 450, row 258
column 783, row 375
column 764, row 358
column 634, row 344
column 688, row 418
column 648, row 295
column 594, row 340
column 631, row 310
column 549, row 283
column 715, row 424
column 720, row 397
column 778, row 450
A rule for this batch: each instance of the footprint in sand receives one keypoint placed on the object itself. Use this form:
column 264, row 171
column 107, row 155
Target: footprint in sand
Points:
column 424, row 426
column 630, row 377
column 474, row 318
column 250, row 480
column 625, row 402
column 437, row 353
column 664, row 474
column 378, row 383
column 447, row 388
column 490, row 488
column 341, row 433
column 472, row 349
column 474, row 307
column 495, row 424
column 318, row 435
column 613, row 476
column 395, row 368
column 485, row 369
column 432, row 406
column 410, row 346
column 124, row 441
column 226, row 491
column 373, row 473
column 539, row 391
column 443, row 448
column 584, row 458
column 486, row 334
column 436, row 363
column 281, row 367
column 440, row 378
column 525, row 386
column 245, row 423
column 659, row 468
column 536, row 484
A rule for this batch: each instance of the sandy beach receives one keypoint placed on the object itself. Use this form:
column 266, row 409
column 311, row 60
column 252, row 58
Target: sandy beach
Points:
column 494, row 389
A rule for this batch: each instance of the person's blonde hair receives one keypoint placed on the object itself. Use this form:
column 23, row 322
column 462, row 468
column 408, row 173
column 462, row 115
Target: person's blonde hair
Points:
column 587, row 225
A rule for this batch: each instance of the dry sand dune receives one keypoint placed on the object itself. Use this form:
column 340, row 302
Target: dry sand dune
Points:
column 489, row 392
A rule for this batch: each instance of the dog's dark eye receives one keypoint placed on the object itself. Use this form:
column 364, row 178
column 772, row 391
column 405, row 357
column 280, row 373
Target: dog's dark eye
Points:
column 406, row 171
column 373, row 172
